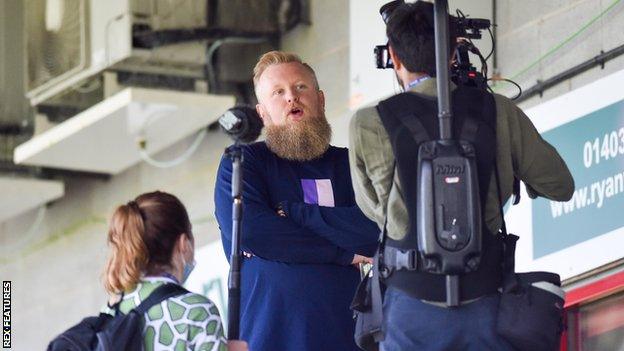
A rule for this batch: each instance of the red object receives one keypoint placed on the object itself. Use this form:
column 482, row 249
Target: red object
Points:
column 590, row 292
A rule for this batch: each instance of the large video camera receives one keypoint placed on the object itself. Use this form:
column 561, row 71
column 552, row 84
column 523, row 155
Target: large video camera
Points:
column 462, row 71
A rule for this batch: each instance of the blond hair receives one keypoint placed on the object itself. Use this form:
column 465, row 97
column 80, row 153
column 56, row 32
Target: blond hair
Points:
column 276, row 58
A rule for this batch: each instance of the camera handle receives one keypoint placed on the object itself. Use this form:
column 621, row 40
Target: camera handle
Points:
column 440, row 8
column 441, row 29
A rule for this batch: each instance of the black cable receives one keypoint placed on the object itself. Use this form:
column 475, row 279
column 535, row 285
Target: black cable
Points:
column 509, row 81
column 491, row 52
column 484, row 67
column 475, row 50
column 460, row 14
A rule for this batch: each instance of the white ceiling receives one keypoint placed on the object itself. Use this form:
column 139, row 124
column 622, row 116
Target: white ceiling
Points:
column 104, row 138
column 22, row 194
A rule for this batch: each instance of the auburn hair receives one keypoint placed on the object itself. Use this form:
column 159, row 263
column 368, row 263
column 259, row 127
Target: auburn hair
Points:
column 141, row 236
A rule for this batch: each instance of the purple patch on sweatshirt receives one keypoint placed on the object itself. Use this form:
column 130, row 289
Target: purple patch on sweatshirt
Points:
column 318, row 192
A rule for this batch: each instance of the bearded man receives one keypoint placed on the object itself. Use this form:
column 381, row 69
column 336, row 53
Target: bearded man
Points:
column 302, row 232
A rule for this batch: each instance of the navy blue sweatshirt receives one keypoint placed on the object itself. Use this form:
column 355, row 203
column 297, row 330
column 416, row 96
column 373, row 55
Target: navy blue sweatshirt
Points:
column 297, row 286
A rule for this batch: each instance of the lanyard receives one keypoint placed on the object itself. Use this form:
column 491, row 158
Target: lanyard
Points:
column 417, row 81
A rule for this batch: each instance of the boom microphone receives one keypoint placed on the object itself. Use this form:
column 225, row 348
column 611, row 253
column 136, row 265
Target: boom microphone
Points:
column 242, row 123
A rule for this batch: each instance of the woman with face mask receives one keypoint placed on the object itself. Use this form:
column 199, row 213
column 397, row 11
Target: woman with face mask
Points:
column 152, row 244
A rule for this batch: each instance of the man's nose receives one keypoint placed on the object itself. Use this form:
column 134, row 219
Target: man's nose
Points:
column 292, row 96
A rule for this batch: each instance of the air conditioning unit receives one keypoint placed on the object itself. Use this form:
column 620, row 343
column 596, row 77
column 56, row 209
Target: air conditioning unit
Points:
column 70, row 40
column 160, row 84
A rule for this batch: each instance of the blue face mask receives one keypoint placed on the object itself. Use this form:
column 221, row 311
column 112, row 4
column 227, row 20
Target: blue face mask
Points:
column 188, row 268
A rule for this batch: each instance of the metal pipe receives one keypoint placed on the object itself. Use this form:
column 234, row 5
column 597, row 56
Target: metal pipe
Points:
column 212, row 49
column 571, row 72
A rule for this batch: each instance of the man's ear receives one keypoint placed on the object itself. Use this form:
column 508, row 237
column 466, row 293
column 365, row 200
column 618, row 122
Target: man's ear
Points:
column 261, row 112
column 395, row 60
column 322, row 99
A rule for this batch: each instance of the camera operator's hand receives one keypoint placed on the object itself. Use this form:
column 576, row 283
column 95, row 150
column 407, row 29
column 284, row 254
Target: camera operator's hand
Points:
column 357, row 259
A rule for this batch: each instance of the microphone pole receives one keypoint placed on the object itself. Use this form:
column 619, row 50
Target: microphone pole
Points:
column 242, row 124
column 234, row 291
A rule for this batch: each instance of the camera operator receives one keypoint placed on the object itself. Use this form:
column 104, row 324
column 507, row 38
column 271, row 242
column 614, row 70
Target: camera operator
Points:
column 383, row 154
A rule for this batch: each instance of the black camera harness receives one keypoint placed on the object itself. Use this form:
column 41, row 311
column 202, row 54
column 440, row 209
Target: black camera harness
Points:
column 446, row 235
column 448, row 255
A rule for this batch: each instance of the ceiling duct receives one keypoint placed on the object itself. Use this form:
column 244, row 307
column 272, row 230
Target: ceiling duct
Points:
column 161, row 15
column 164, row 23
column 236, row 33
column 250, row 28
column 262, row 16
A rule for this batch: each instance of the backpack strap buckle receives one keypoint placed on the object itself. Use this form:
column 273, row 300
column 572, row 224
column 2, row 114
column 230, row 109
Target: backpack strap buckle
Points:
column 397, row 259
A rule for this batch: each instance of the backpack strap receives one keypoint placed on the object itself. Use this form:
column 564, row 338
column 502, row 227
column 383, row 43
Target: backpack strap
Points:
column 377, row 293
column 469, row 130
column 369, row 326
column 516, row 190
column 408, row 117
column 469, row 133
column 377, row 300
column 510, row 279
column 161, row 293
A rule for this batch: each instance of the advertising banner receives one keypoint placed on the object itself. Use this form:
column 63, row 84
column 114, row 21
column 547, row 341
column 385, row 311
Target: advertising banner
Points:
column 586, row 126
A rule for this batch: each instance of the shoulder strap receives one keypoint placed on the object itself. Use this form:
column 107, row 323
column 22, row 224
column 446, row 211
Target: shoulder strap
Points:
column 469, row 133
column 376, row 291
column 516, row 190
column 115, row 306
column 469, row 130
column 415, row 126
column 161, row 293
column 510, row 280
column 383, row 234
column 403, row 107
column 376, row 301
